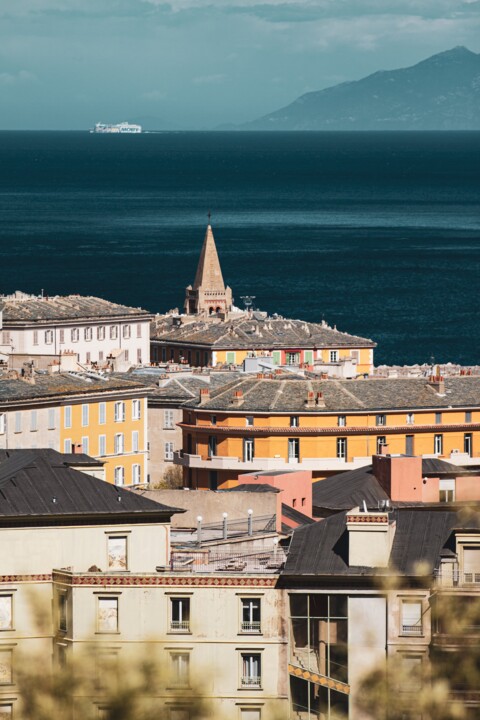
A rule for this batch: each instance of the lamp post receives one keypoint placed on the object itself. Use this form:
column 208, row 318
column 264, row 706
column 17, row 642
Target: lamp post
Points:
column 250, row 521
column 199, row 529
column 225, row 528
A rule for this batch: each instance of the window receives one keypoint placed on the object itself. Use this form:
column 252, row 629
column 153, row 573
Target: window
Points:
column 333, row 356
column 230, row 358
column 117, row 552
column 250, row 615
column 119, row 412
column 18, row 422
column 3, row 423
column 102, row 413
column 119, row 444
column 139, row 356
column 293, row 450
column 381, row 441
column 101, row 332
column 107, row 615
column 411, row 617
column 51, row 418
column 468, row 416
column 248, row 449
column 213, row 419
column 212, row 445
column 126, row 331
column 135, row 441
column 136, row 409
column 292, row 358
column 380, row 420
column 119, row 475
column 294, row 421
column 139, row 330
column 168, row 423
column 251, row 670
column 438, row 418
column 113, row 332
column 85, row 445
column 100, row 356
column 446, row 490
column 342, row 448
column 180, row 614
column 84, row 415
column 48, row 337
column 438, row 444
column 6, row 666
column 62, row 611
column 67, row 446
column 6, row 711
column 342, row 421
column 68, row 416
column 6, row 612
column 33, row 421
column 136, row 474
column 5, row 337
column 35, row 337
column 169, row 448
column 249, row 420
column 88, row 334
column 468, row 444
column 102, row 445
column 74, row 334
column 62, row 337
column 88, row 358
column 180, row 668
column 410, row 418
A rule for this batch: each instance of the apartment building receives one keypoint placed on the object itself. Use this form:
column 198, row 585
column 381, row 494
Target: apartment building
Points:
column 327, row 426
column 42, row 329
column 102, row 416
column 98, row 567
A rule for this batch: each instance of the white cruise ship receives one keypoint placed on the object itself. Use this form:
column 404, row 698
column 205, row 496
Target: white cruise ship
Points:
column 123, row 128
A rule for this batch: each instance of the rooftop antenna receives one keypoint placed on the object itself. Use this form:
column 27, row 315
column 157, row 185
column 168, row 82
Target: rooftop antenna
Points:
column 248, row 300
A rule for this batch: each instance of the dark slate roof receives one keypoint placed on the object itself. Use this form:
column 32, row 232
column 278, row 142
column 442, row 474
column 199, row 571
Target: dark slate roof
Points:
column 179, row 387
column 255, row 333
column 295, row 515
column 252, row 487
column 38, row 484
column 25, row 309
column 60, row 384
column 348, row 489
column 370, row 395
column 321, row 549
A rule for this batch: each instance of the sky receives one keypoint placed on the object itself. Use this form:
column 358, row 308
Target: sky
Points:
column 198, row 64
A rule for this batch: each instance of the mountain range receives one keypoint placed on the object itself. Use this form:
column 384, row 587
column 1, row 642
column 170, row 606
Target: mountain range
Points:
column 439, row 93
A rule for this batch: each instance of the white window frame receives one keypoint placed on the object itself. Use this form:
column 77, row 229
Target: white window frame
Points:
column 293, row 450
column 67, row 446
column 342, row 421
column 33, row 420
column 408, row 627
column 3, row 423
column 119, row 415
column 100, row 600
column 102, row 445
column 85, row 445
column 250, row 625
column 342, row 448
column 180, row 668
column 101, row 332
column 251, row 676
column 51, row 419
column 48, row 337
column 438, row 444
column 380, row 420
column 136, row 474
column 119, row 475
column 180, row 605
column 67, row 416
column 113, row 332
column 334, row 356
column 8, row 598
column 119, row 444
column 169, row 450
column 136, row 409
column 18, row 421
column 88, row 334
column 410, row 418
column 126, row 332
column 85, row 415
column 135, row 441
column 75, row 334
column 169, row 419
column 102, row 413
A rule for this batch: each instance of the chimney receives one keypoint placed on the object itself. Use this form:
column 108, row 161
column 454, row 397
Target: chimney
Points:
column 204, row 395
column 320, row 401
column 400, row 476
column 437, row 383
column 77, row 448
column 370, row 537
column 237, row 398
column 310, row 401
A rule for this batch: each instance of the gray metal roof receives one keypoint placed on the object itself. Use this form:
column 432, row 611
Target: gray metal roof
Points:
column 251, row 333
column 38, row 484
column 340, row 396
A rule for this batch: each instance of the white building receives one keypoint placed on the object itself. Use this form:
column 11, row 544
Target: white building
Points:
column 94, row 331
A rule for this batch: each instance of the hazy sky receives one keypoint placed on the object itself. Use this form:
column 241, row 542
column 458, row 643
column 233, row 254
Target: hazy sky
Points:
column 199, row 63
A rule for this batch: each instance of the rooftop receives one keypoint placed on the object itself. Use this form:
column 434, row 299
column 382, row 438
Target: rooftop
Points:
column 288, row 395
column 37, row 484
column 21, row 308
column 256, row 332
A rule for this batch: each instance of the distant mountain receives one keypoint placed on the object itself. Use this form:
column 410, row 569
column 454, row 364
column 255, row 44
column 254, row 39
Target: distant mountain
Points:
column 440, row 93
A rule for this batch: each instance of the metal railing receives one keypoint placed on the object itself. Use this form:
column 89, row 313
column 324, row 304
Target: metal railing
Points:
column 260, row 524
column 412, row 630
column 251, row 681
column 455, row 578
column 180, row 625
column 205, row 561
column 253, row 626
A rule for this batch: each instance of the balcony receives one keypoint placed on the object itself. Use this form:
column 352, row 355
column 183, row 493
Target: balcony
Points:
column 412, row 630
column 253, row 626
column 452, row 578
column 219, row 462
column 180, row 626
column 251, row 681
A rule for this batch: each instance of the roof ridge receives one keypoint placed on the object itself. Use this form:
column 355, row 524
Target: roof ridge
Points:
column 347, row 392
column 278, row 394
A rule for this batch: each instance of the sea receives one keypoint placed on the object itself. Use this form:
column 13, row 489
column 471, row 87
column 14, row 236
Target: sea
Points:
column 376, row 233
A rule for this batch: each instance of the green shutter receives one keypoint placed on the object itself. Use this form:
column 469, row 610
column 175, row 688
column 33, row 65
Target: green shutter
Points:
column 230, row 358
column 277, row 356
column 308, row 356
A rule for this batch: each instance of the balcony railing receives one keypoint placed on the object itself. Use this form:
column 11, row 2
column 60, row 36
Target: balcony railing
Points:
column 180, row 625
column 412, row 630
column 251, row 681
column 253, row 626
column 205, row 561
column 447, row 577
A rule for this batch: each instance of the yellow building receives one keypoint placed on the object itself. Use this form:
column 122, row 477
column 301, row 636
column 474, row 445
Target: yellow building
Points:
column 102, row 416
column 256, row 424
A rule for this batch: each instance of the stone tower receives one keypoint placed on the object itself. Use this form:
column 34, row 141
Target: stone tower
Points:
column 208, row 294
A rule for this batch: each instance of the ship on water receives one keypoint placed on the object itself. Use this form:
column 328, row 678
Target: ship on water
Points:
column 123, row 128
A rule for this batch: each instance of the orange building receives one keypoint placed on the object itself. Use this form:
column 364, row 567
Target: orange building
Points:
column 257, row 424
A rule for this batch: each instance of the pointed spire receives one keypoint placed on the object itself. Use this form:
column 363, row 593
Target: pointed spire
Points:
column 209, row 273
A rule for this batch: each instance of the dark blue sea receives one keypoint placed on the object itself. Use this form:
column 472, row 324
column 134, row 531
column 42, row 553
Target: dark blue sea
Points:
column 378, row 233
